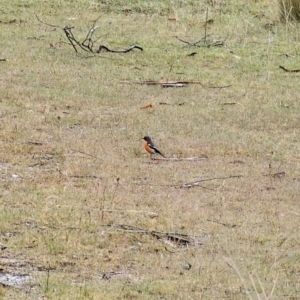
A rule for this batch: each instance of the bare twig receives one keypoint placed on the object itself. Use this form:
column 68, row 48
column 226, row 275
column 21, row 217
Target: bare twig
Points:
column 89, row 36
column 197, row 183
column 193, row 184
column 276, row 175
column 179, row 158
column 84, row 176
column 192, row 54
column 70, row 37
column 224, row 224
column 119, row 51
column 51, row 25
column 108, row 275
column 176, row 83
column 177, row 239
column 289, row 71
column 152, row 214
column 215, row 44
column 218, row 87
column 189, row 44
column 88, row 42
column 85, row 153
column 205, row 43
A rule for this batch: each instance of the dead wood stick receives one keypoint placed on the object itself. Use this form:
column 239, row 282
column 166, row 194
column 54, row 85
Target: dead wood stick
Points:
column 85, row 153
column 88, row 42
column 178, row 238
column 221, row 223
column 289, row 71
column 153, row 82
column 193, row 184
column 90, row 35
column 203, row 39
column 196, row 183
column 175, row 83
column 218, row 87
column 181, row 40
column 119, row 51
column 51, row 25
column 70, row 37
column 179, row 158
column 131, row 211
column 108, row 275
column 89, row 38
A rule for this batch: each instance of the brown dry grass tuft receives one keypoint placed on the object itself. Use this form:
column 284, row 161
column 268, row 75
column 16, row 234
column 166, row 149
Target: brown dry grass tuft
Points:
column 289, row 10
column 75, row 176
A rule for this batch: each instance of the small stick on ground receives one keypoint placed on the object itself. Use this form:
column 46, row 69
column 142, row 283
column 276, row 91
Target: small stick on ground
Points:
column 119, row 51
column 152, row 214
column 197, row 183
column 191, row 44
column 177, row 239
column 85, row 153
column 175, row 83
column 179, row 158
column 193, row 184
column 289, row 71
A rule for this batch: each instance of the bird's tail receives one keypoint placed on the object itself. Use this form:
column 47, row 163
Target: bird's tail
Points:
column 157, row 151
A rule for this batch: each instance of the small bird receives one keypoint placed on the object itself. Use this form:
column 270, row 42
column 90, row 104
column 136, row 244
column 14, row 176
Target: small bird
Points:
column 149, row 146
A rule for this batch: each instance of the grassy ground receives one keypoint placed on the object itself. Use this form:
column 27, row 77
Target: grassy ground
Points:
column 80, row 198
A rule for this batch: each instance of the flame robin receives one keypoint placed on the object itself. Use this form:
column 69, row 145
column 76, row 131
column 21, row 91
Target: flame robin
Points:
column 149, row 146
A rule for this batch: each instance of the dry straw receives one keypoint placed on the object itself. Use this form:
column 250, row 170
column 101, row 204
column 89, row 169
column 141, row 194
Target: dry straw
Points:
column 289, row 10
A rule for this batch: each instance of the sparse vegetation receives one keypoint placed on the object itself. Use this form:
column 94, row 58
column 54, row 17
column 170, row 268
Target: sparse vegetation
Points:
column 87, row 214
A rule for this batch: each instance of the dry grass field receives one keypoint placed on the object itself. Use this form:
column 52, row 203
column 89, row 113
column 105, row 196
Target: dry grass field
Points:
column 87, row 214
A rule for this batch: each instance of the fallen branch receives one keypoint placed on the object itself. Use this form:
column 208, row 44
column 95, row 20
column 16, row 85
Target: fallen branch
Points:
column 177, row 239
column 108, row 275
column 276, row 175
column 189, row 44
column 152, row 214
column 175, row 83
column 289, row 71
column 202, row 40
column 84, row 176
column 179, row 158
column 197, row 183
column 193, row 184
column 119, row 51
column 85, row 154
column 166, row 83
column 165, row 103
column 51, row 25
column 224, row 224
column 88, row 43
column 192, row 54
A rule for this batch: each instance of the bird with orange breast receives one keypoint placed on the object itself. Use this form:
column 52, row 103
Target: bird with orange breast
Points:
column 149, row 146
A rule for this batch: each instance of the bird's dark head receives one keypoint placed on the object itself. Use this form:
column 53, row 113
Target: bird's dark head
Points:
column 146, row 138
